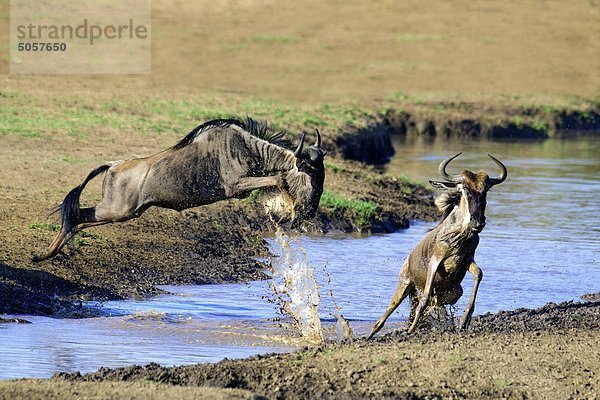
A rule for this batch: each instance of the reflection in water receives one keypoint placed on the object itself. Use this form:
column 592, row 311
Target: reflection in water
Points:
column 541, row 244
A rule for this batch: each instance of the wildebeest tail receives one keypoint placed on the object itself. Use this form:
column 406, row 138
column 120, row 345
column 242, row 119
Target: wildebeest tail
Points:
column 70, row 212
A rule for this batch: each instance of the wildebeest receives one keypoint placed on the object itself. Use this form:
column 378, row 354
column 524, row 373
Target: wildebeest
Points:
column 220, row 159
column 438, row 264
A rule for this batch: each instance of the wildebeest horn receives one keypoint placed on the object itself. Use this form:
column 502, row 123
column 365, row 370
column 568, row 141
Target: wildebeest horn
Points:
column 503, row 172
column 444, row 174
column 299, row 148
column 318, row 142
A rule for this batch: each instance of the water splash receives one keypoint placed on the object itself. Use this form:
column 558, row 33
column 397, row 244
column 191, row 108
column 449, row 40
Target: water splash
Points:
column 342, row 326
column 295, row 286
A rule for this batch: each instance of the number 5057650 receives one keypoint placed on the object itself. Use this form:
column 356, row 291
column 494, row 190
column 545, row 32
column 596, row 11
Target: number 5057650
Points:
column 41, row 46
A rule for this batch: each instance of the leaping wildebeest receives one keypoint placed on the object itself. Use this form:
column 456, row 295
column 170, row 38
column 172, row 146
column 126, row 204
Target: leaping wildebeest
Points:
column 218, row 160
column 438, row 264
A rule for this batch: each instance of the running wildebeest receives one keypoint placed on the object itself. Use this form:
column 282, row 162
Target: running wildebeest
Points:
column 438, row 264
column 218, row 160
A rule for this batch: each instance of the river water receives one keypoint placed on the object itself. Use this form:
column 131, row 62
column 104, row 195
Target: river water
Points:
column 541, row 244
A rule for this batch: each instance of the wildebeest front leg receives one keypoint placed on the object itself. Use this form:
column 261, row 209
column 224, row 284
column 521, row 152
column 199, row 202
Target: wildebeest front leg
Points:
column 256, row 182
column 404, row 287
column 431, row 271
column 477, row 276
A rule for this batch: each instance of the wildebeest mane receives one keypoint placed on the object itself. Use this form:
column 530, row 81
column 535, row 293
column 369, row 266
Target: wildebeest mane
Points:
column 259, row 129
column 446, row 202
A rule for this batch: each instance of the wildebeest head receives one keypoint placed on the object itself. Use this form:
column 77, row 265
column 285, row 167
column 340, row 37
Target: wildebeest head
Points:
column 468, row 191
column 305, row 182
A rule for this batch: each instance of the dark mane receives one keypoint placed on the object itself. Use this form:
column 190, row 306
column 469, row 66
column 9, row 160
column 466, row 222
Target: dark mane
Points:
column 446, row 203
column 259, row 129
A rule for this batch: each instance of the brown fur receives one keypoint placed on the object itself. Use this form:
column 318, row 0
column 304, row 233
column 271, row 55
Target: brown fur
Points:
column 220, row 159
column 438, row 264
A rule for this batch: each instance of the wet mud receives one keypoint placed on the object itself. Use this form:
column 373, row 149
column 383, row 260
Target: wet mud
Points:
column 548, row 352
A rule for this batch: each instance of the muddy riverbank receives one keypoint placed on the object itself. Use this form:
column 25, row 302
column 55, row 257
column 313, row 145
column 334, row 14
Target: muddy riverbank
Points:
column 212, row 244
column 548, row 353
column 372, row 144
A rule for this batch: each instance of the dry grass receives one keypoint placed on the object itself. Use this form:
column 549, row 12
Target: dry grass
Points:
column 335, row 51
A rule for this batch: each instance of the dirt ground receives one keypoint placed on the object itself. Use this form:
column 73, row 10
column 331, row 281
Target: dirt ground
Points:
column 277, row 61
column 547, row 353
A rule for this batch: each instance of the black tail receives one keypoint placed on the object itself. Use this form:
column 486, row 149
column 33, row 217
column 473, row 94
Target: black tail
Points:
column 70, row 212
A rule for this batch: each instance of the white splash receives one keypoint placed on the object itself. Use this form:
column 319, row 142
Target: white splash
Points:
column 295, row 286
column 342, row 326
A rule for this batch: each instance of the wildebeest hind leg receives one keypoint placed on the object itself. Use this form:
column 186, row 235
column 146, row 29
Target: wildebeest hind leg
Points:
column 69, row 238
column 55, row 246
column 87, row 218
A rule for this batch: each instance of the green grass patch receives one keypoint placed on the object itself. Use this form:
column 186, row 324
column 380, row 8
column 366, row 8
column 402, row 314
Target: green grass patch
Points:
column 540, row 126
column 383, row 361
column 219, row 227
column 518, row 121
column 254, row 195
column 346, row 114
column 363, row 211
column 44, row 226
column 587, row 116
column 89, row 235
column 455, row 357
column 408, row 182
column 502, row 383
column 403, row 97
column 27, row 116
column 34, row 120
column 8, row 94
column 550, row 108
column 81, row 242
column 335, row 168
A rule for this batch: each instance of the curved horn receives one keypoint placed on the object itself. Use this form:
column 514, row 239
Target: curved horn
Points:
column 444, row 174
column 299, row 148
column 318, row 142
column 503, row 172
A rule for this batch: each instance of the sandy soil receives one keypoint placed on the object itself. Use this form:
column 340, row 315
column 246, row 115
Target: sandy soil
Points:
column 313, row 50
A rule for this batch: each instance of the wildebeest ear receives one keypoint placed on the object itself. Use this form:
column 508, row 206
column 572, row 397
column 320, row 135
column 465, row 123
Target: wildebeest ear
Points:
column 443, row 185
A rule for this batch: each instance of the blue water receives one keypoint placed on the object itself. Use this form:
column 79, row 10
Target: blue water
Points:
column 541, row 244
column 542, row 240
